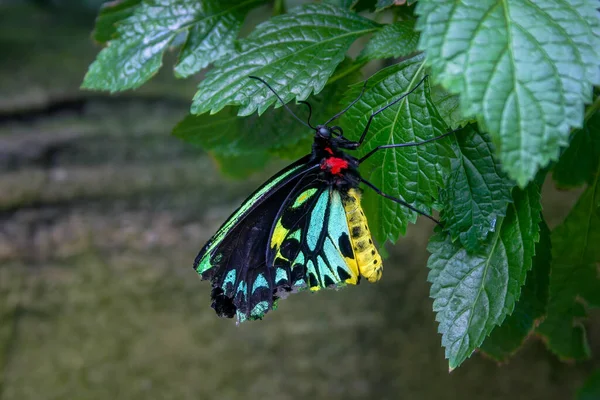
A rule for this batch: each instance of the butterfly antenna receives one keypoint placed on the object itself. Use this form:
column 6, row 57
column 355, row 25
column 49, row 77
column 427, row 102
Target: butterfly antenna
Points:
column 281, row 100
column 336, row 116
column 309, row 112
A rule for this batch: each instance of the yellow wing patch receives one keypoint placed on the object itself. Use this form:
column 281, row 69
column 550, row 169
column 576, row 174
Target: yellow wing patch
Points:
column 366, row 256
column 279, row 234
column 303, row 197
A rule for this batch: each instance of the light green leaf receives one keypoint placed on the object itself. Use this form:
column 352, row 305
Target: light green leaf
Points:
column 136, row 55
column 109, row 16
column 448, row 105
column 473, row 293
column 506, row 339
column 476, row 191
column 591, row 388
column 394, row 40
column 574, row 277
column 295, row 52
column 523, row 68
column 413, row 174
column 578, row 164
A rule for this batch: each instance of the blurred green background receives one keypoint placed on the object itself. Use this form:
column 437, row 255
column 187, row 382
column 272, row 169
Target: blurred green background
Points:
column 101, row 215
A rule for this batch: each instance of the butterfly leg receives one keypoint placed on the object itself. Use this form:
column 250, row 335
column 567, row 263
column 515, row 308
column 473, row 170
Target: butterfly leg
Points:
column 399, row 201
column 409, row 144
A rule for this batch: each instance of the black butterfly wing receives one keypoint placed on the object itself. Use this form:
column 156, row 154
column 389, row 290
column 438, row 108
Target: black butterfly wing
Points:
column 234, row 259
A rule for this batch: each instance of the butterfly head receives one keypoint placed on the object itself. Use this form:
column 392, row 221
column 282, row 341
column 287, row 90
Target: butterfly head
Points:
column 323, row 132
column 334, row 135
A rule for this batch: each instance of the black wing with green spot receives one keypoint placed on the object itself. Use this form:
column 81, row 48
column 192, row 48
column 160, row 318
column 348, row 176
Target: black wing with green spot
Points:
column 310, row 242
column 234, row 260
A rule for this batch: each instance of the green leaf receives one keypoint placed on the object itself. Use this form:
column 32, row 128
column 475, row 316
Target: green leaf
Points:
column 342, row 3
column 506, row 339
column 110, row 14
column 356, row 5
column 578, row 164
column 574, row 277
column 295, row 52
column 476, row 191
column 227, row 134
column 241, row 166
column 413, row 174
column 136, row 55
column 275, row 132
column 448, row 105
column 382, row 4
column 591, row 388
column 364, row 5
column 473, row 293
column 523, row 68
column 394, row 40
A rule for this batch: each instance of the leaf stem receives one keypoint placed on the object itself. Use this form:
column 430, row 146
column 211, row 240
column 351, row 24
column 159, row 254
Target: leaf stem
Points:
column 592, row 109
column 279, row 7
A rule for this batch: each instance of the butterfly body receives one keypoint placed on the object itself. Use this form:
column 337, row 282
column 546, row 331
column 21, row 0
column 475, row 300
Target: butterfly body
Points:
column 338, row 168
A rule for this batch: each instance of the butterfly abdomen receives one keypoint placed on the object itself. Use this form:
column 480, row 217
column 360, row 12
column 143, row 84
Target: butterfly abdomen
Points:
column 367, row 257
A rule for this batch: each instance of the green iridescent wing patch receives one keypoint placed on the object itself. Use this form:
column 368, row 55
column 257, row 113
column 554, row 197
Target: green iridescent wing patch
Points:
column 310, row 243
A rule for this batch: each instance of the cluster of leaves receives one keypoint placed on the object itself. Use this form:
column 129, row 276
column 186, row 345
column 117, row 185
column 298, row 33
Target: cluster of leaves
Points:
column 514, row 75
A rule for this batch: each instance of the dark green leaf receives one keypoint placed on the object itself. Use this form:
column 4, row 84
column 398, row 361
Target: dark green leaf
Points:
column 241, row 166
column 136, row 55
column 296, row 53
column 395, row 40
column 473, row 293
column 109, row 16
column 342, row 3
column 578, row 164
column 381, row 4
column 364, row 5
column 347, row 67
column 523, row 68
column 411, row 173
column 227, row 134
column 506, row 339
column 591, row 388
column 476, row 191
column 574, row 277
column 448, row 105
column 356, row 5
column 275, row 132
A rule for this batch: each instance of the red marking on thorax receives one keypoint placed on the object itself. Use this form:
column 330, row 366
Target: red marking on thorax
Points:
column 327, row 149
column 334, row 165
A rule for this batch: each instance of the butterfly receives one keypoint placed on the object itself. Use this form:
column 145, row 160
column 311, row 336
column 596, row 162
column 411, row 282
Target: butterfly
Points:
column 304, row 228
